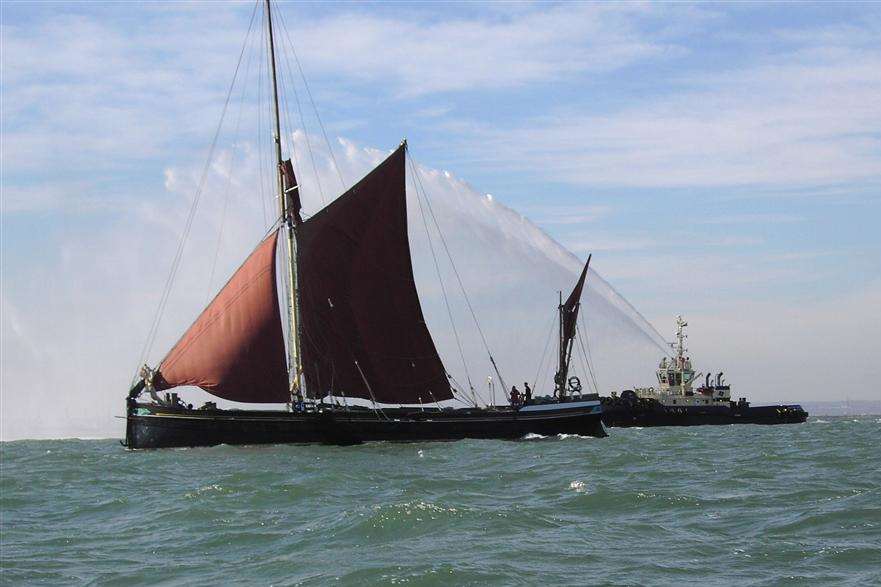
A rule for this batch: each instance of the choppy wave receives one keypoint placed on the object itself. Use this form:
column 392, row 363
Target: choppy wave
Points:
column 759, row 505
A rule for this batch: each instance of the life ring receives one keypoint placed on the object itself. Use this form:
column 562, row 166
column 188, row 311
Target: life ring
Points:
column 574, row 384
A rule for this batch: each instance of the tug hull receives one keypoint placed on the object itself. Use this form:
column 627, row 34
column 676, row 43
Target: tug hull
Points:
column 646, row 412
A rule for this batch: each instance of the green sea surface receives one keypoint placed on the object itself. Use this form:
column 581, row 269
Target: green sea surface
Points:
column 712, row 505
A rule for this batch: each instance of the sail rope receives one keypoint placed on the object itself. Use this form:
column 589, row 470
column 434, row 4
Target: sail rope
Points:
column 581, row 358
column 286, row 81
column 458, row 277
column 287, row 34
column 457, row 389
column 370, row 389
column 544, row 353
column 228, row 184
column 287, row 121
column 194, row 205
column 293, row 87
column 261, row 166
column 588, row 359
column 441, row 281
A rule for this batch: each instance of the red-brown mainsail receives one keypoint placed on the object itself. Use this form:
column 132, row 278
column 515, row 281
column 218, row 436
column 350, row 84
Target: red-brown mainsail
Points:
column 235, row 348
column 363, row 332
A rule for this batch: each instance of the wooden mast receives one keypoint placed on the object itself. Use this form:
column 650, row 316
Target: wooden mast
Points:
column 288, row 226
column 561, row 353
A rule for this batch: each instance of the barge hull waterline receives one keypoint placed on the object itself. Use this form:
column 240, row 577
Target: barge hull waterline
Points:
column 191, row 429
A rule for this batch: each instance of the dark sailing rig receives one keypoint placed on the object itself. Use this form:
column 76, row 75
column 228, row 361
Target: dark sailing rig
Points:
column 357, row 331
column 563, row 384
column 676, row 403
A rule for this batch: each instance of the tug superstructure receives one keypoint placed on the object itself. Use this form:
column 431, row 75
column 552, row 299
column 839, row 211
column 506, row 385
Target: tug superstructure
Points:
column 676, row 379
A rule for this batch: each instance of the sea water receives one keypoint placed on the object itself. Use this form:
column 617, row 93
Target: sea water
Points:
column 746, row 505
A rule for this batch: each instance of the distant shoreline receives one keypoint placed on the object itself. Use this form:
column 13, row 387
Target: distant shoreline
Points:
column 843, row 408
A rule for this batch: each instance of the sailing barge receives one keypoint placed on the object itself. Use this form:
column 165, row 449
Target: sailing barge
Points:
column 356, row 330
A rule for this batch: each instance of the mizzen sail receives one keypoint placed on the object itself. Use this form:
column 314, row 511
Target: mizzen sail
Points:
column 235, row 348
column 568, row 323
column 572, row 304
column 362, row 329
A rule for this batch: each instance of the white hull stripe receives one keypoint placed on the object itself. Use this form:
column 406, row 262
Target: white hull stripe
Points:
column 559, row 407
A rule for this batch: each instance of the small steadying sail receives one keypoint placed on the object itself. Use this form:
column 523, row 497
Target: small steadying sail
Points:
column 568, row 324
column 362, row 328
column 572, row 304
column 235, row 348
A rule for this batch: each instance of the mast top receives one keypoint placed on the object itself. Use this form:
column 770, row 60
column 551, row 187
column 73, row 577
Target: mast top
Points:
column 680, row 337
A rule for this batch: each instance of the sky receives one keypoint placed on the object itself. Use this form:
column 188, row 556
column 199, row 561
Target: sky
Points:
column 720, row 161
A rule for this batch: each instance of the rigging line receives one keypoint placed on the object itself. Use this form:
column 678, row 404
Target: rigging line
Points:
column 441, row 282
column 287, row 119
column 290, row 128
column 261, row 175
column 458, row 278
column 584, row 354
column 580, row 354
column 591, row 364
column 284, row 27
column 370, row 389
column 457, row 390
column 285, row 116
column 169, row 283
column 227, row 187
column 588, row 358
column 591, row 382
column 544, row 353
column 303, row 121
column 579, row 361
column 545, row 376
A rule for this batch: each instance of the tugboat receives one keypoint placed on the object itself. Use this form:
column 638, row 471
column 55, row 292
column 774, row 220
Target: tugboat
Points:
column 676, row 402
column 355, row 332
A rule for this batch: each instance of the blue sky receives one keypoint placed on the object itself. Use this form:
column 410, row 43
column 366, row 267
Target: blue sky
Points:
column 596, row 111
column 719, row 160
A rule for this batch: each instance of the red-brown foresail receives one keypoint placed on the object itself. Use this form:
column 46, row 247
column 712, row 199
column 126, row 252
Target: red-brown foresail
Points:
column 235, row 348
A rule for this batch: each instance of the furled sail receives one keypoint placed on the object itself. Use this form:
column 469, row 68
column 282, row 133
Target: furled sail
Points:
column 291, row 190
column 235, row 348
column 362, row 329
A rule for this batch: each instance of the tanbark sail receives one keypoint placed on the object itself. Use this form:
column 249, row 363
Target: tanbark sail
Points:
column 363, row 333
column 235, row 348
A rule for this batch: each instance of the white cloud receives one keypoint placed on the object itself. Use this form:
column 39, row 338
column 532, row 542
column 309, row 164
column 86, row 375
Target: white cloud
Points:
column 561, row 215
column 424, row 55
column 803, row 118
column 752, row 219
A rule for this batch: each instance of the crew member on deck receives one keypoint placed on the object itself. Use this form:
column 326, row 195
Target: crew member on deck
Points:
column 527, row 394
column 515, row 396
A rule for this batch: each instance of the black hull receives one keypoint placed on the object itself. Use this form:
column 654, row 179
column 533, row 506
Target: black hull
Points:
column 651, row 413
column 150, row 426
